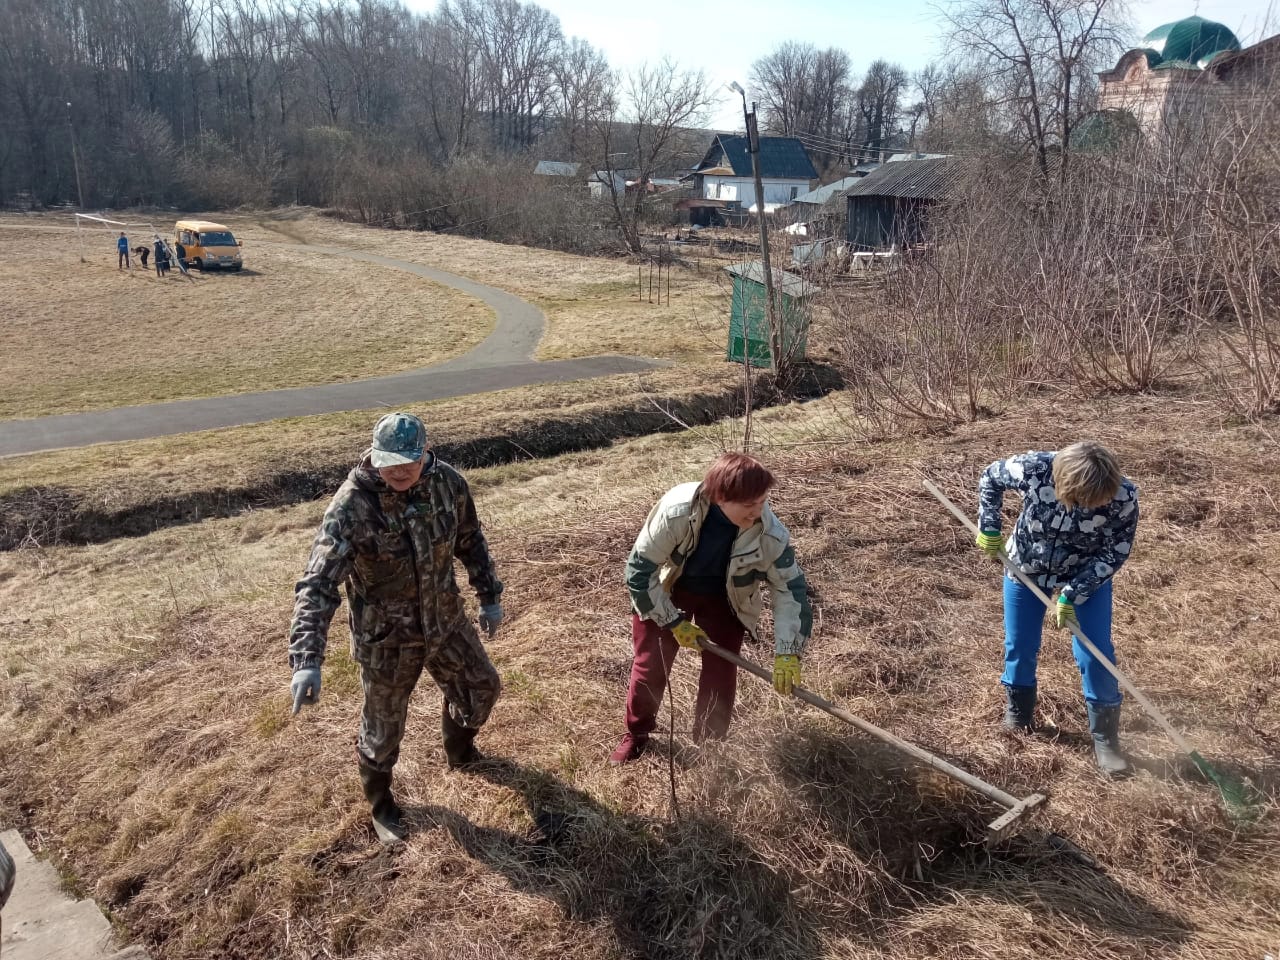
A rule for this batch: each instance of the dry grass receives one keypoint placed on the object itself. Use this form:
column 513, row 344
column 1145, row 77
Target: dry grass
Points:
column 593, row 305
column 88, row 336
column 149, row 739
column 101, row 338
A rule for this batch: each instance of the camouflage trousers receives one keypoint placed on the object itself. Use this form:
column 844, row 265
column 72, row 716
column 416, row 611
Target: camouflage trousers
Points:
column 458, row 664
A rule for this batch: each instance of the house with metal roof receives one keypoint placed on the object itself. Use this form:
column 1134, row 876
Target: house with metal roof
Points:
column 725, row 171
column 889, row 206
column 817, row 197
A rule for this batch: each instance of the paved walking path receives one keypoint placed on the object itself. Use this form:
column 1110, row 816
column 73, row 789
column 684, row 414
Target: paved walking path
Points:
column 41, row 922
column 499, row 362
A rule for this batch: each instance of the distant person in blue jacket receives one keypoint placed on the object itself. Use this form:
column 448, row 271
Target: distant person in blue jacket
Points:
column 122, row 249
column 1076, row 529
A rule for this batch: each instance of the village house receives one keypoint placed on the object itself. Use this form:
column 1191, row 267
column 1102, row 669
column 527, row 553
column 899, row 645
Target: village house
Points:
column 725, row 172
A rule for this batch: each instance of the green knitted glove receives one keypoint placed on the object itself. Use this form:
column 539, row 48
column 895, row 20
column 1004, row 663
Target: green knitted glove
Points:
column 991, row 543
column 1064, row 614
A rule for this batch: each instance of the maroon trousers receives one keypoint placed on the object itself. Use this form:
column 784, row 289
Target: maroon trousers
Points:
column 655, row 652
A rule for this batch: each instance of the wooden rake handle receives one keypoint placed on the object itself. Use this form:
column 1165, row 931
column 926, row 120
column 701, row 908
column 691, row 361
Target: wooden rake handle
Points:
column 998, row 829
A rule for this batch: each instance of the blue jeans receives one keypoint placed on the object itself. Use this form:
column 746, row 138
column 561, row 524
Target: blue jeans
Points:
column 1024, row 623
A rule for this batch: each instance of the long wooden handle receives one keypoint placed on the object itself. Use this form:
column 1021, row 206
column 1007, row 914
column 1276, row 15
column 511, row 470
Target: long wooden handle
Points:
column 1124, row 681
column 924, row 756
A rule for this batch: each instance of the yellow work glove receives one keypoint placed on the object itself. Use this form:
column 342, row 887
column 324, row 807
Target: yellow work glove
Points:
column 689, row 635
column 786, row 672
column 1064, row 614
column 991, row 543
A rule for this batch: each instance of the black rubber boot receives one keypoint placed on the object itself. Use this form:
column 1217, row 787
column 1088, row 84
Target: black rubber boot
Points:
column 1104, row 724
column 1020, row 708
column 387, row 822
column 459, row 743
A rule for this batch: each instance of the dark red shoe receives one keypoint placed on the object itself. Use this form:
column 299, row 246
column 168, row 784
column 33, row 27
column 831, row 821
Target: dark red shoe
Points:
column 629, row 749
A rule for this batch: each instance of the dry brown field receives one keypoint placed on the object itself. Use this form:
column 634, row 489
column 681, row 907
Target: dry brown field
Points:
column 592, row 305
column 143, row 705
column 82, row 336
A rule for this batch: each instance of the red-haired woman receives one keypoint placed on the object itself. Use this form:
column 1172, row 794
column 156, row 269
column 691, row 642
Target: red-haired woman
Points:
column 697, row 573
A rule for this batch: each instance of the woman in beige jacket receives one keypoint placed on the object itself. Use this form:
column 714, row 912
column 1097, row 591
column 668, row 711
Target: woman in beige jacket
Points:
column 697, row 572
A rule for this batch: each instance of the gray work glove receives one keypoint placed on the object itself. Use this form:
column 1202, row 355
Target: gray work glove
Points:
column 490, row 617
column 305, row 687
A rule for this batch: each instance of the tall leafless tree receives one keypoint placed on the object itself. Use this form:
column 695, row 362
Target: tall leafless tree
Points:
column 1038, row 58
column 641, row 129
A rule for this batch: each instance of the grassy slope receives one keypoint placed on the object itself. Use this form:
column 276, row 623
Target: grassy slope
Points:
column 72, row 493
column 145, row 706
column 81, row 337
column 592, row 305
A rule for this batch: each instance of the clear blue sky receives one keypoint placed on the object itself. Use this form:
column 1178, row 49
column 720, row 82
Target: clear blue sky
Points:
column 724, row 39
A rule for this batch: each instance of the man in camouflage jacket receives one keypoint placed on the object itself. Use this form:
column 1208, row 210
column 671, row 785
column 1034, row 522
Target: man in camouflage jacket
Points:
column 390, row 534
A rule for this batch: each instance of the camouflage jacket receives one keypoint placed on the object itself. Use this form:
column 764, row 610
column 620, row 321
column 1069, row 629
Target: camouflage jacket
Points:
column 761, row 555
column 1078, row 550
column 395, row 553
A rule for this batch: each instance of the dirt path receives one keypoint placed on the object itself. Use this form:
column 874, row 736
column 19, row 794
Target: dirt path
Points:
column 501, row 361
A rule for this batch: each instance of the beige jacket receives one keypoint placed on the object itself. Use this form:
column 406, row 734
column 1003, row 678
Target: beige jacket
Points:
column 760, row 555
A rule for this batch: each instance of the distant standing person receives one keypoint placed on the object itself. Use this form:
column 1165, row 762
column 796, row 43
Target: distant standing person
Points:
column 391, row 534
column 122, row 249
column 162, row 258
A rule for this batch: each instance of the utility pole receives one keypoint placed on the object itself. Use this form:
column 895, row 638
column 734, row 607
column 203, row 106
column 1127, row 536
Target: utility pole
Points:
column 75, row 159
column 771, row 305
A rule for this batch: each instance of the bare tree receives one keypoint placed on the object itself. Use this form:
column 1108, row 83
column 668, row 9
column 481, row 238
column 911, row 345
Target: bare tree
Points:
column 879, row 103
column 1038, row 58
column 242, row 39
column 805, row 92
column 957, row 109
column 643, row 123
column 582, row 84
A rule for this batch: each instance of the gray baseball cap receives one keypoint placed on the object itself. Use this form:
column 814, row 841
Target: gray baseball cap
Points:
column 398, row 438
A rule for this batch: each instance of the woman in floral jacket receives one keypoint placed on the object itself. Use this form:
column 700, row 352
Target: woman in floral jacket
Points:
column 1076, row 529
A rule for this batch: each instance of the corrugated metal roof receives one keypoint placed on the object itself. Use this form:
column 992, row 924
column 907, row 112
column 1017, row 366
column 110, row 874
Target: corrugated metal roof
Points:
column 557, row 168
column 781, row 158
column 920, row 179
column 823, row 194
column 790, row 284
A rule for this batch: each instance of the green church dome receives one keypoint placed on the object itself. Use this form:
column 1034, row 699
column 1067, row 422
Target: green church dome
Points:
column 1191, row 40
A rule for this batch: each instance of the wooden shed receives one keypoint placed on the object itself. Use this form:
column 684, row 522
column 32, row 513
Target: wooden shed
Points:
column 890, row 206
